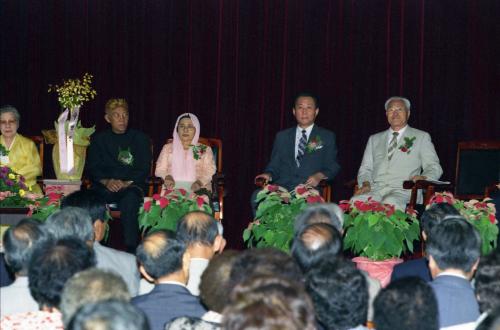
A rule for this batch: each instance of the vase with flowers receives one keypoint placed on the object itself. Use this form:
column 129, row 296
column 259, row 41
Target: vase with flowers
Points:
column 13, row 190
column 276, row 213
column 70, row 139
column 379, row 234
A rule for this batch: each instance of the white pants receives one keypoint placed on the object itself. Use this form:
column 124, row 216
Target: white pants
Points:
column 387, row 195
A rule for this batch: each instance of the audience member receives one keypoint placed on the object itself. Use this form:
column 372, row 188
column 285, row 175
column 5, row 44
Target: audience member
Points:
column 408, row 304
column 324, row 212
column 18, row 242
column 454, row 247
column 165, row 261
column 120, row 262
column 339, row 293
column 487, row 283
column 492, row 321
column 118, row 164
column 109, row 315
column 52, row 264
column 420, row 267
column 191, row 323
column 91, row 286
column 269, row 302
column 6, row 277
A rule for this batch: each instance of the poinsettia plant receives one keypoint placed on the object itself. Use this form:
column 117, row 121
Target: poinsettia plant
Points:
column 378, row 231
column 481, row 214
column 163, row 211
column 45, row 206
column 276, row 214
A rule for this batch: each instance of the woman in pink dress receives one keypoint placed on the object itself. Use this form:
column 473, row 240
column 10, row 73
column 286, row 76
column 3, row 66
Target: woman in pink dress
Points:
column 185, row 163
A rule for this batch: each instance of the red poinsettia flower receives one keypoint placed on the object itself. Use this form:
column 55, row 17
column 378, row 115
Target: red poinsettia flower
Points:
column 156, row 197
column 301, row 190
column 313, row 199
column 492, row 218
column 345, row 205
column 147, row 206
column 183, row 191
column 272, row 188
column 163, row 202
column 403, row 149
column 199, row 201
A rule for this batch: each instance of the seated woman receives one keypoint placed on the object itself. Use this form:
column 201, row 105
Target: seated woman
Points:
column 23, row 157
column 185, row 163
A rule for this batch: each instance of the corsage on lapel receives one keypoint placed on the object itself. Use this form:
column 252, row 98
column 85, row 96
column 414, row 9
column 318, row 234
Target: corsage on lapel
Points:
column 314, row 144
column 408, row 143
column 198, row 151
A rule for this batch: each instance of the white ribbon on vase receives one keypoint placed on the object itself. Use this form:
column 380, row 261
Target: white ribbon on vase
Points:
column 66, row 159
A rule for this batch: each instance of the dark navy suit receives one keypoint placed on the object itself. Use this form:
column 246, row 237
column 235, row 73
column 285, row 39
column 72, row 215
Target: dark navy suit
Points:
column 416, row 267
column 167, row 302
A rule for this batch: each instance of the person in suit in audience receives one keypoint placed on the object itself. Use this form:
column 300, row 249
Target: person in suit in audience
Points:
column 339, row 293
column 453, row 248
column 397, row 154
column 52, row 263
column 420, row 267
column 165, row 261
column 118, row 164
column 408, row 304
column 487, row 284
column 305, row 153
column 18, row 242
column 122, row 263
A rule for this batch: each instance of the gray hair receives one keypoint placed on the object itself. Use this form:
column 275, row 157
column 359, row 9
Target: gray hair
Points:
column 398, row 98
column 329, row 213
column 70, row 222
column 91, row 286
column 9, row 108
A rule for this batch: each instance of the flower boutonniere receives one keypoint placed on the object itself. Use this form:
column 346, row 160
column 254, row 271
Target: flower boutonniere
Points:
column 198, row 151
column 3, row 151
column 408, row 143
column 314, row 144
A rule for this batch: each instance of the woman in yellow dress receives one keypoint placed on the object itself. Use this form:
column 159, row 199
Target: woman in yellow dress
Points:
column 23, row 157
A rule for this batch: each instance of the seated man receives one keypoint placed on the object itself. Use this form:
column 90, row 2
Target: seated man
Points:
column 395, row 155
column 314, row 155
column 118, row 164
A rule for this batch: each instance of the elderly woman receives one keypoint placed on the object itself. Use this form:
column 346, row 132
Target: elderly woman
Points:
column 185, row 163
column 23, row 157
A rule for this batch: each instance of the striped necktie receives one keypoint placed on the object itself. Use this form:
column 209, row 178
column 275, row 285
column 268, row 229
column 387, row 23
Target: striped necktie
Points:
column 393, row 144
column 302, row 147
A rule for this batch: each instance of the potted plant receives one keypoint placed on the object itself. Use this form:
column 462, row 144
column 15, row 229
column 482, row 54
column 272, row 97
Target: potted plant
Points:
column 69, row 137
column 379, row 234
column 481, row 214
column 276, row 214
column 163, row 211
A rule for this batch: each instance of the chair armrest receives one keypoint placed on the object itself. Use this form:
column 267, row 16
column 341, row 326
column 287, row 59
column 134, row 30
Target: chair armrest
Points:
column 491, row 189
column 429, row 186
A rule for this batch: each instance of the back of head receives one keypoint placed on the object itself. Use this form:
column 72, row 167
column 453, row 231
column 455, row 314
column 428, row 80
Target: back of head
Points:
column 52, row 264
column 435, row 214
column 197, row 227
column 214, row 285
column 70, row 222
column 264, row 262
column 90, row 286
column 329, row 213
column 409, row 304
column 160, row 255
column 109, row 315
column 314, row 244
column 88, row 200
column 18, row 242
column 487, row 284
column 269, row 302
column 454, row 244
column 339, row 292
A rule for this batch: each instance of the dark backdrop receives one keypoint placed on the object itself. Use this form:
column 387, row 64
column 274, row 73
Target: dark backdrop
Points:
column 238, row 63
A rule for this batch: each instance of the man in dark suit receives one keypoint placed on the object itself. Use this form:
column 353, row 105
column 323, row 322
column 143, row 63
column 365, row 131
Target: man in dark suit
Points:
column 164, row 260
column 454, row 247
column 303, row 154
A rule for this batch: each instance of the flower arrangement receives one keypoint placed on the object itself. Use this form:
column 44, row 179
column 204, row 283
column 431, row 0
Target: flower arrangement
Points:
column 73, row 92
column 314, row 144
column 408, row 143
column 378, row 231
column 276, row 214
column 13, row 190
column 45, row 206
column 163, row 211
column 481, row 214
column 198, row 151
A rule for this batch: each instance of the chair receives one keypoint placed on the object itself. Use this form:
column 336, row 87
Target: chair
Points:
column 477, row 168
column 218, row 193
column 38, row 140
column 324, row 186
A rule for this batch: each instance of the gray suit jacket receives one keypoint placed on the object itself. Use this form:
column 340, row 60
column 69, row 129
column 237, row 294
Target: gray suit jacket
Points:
column 283, row 167
column 456, row 300
column 380, row 172
column 121, row 263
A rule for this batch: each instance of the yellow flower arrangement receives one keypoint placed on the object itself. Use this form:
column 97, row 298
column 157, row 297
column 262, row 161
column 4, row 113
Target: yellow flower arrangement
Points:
column 73, row 92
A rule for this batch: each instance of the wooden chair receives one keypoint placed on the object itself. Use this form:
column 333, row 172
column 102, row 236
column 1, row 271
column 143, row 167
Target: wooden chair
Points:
column 218, row 192
column 324, row 186
column 477, row 168
column 39, row 142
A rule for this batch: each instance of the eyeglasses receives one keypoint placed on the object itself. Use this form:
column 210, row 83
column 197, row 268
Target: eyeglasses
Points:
column 8, row 122
column 188, row 127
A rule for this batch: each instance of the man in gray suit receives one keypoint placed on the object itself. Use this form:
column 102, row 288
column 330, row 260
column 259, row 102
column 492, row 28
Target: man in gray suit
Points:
column 397, row 154
column 303, row 154
column 454, row 247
